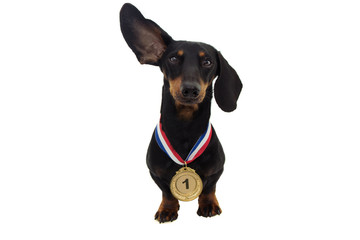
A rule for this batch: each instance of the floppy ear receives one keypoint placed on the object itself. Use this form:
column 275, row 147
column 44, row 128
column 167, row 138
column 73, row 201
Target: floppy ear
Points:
column 227, row 86
column 147, row 40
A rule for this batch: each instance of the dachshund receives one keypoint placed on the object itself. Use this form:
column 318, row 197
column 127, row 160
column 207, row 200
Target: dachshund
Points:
column 189, row 70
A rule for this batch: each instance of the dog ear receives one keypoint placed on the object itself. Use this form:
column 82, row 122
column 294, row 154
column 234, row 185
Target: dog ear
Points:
column 227, row 86
column 147, row 40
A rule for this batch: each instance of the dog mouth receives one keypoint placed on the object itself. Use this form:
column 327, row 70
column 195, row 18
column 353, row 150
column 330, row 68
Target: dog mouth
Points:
column 187, row 101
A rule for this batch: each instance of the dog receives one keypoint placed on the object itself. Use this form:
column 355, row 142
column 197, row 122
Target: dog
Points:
column 189, row 70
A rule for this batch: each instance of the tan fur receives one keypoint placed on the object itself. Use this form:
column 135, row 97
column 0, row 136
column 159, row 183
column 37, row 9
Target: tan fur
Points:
column 175, row 85
column 186, row 112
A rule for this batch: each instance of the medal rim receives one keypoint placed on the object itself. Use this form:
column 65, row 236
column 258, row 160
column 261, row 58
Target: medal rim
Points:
column 188, row 196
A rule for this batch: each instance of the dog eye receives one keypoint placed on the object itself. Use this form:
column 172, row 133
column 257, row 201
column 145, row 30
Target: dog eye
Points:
column 174, row 59
column 206, row 63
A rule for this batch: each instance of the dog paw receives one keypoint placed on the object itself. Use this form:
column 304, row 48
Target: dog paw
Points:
column 208, row 205
column 166, row 215
column 209, row 210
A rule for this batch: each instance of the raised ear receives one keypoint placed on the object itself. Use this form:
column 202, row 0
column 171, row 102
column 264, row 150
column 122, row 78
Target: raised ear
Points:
column 147, row 40
column 227, row 86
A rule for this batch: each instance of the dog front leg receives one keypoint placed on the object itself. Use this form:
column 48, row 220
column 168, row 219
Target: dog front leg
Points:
column 208, row 203
column 169, row 206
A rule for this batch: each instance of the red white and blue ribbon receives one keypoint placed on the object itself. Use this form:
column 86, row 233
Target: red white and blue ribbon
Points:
column 195, row 152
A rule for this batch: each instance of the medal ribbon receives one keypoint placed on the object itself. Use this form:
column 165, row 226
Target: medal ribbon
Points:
column 195, row 152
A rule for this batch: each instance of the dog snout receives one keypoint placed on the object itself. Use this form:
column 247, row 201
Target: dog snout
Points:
column 190, row 90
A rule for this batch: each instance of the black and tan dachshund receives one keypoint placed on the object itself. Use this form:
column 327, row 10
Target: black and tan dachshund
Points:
column 189, row 70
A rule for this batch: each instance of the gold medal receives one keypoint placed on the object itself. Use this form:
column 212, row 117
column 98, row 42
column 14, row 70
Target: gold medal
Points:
column 186, row 185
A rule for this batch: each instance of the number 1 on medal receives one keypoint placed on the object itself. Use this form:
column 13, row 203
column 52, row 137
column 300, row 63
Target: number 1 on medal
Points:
column 186, row 183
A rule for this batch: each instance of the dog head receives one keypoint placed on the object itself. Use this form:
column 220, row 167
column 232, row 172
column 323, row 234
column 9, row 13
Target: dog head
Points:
column 189, row 67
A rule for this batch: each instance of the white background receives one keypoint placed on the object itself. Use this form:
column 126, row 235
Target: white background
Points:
column 77, row 112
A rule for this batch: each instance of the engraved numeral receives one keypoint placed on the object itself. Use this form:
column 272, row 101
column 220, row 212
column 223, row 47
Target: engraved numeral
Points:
column 186, row 183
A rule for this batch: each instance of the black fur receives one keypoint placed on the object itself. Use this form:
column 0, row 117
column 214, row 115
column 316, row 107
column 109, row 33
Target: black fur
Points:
column 194, row 65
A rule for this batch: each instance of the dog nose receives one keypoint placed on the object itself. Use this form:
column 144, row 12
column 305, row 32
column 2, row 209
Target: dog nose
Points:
column 190, row 90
